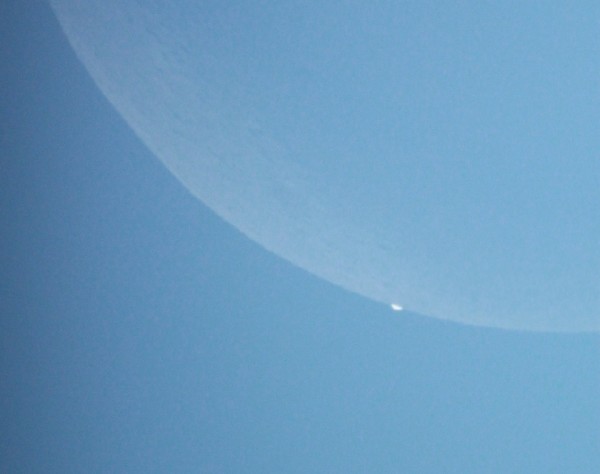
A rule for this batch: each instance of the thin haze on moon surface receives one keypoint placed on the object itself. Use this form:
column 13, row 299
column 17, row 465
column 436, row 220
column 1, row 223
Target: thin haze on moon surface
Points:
column 440, row 157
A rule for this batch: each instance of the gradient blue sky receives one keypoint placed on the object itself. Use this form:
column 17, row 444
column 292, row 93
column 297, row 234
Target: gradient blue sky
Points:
column 140, row 333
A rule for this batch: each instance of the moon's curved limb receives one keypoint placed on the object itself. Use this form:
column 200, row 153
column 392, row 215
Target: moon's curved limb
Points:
column 306, row 147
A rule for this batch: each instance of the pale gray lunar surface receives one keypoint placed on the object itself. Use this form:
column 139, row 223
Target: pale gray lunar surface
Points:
column 401, row 155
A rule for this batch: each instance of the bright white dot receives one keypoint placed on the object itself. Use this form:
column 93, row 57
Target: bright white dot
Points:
column 396, row 307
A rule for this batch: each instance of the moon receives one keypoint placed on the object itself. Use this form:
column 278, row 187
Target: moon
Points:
column 439, row 157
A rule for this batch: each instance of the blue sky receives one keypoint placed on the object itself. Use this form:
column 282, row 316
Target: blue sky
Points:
column 141, row 333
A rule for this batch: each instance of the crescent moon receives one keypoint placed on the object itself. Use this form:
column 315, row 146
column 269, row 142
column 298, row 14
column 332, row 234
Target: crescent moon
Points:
column 425, row 159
